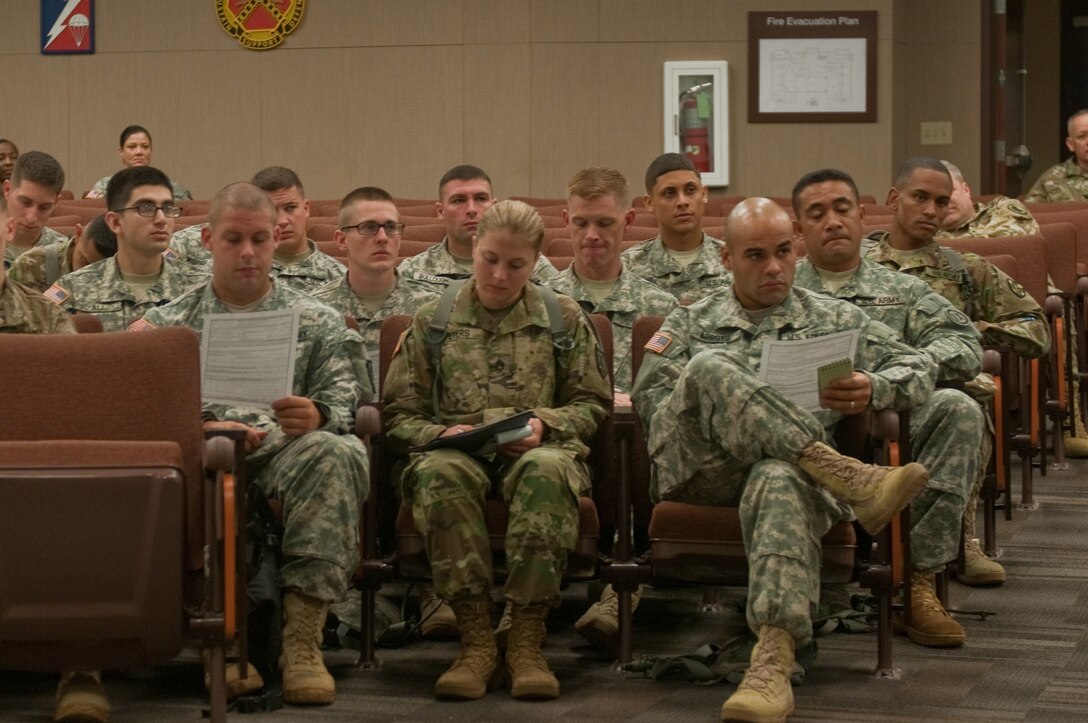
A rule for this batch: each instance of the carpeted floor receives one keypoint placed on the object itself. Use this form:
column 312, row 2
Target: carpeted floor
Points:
column 1028, row 662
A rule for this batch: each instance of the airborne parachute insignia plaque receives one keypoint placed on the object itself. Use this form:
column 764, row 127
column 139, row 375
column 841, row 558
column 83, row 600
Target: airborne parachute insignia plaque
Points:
column 259, row 24
column 67, row 26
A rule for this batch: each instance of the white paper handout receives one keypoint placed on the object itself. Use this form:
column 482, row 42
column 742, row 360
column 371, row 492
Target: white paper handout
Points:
column 248, row 359
column 790, row 366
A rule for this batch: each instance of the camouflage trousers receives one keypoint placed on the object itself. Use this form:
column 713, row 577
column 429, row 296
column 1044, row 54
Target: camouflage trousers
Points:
column 322, row 480
column 946, row 434
column 725, row 438
column 448, row 489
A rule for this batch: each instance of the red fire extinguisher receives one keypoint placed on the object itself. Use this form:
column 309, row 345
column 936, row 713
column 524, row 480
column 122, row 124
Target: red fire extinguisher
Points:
column 694, row 130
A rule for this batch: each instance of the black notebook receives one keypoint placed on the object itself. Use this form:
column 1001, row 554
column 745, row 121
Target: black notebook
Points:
column 476, row 439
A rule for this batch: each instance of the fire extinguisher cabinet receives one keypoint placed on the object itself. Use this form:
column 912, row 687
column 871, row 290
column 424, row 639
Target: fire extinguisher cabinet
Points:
column 697, row 117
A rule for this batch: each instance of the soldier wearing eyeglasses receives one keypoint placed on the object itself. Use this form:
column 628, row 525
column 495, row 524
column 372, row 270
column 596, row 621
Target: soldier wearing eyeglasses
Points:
column 372, row 290
column 142, row 275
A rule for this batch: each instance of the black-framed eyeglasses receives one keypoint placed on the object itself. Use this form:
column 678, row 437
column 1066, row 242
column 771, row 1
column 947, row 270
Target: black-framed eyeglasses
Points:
column 370, row 228
column 148, row 209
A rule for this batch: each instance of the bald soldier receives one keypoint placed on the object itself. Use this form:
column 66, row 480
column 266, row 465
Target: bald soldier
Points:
column 717, row 435
column 300, row 449
column 1067, row 181
column 947, row 432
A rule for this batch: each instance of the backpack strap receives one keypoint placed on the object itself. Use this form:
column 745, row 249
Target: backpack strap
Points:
column 967, row 289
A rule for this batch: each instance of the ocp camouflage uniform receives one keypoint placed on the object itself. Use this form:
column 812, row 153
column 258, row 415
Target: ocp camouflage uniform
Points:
column 30, row 267
column 98, row 190
column 705, row 275
column 1003, row 216
column 437, row 265
column 719, row 436
column 321, row 477
column 1065, row 181
column 24, row 311
column 47, row 236
column 189, row 248
column 629, row 299
column 1001, row 309
column 491, row 368
column 311, row 273
column 406, row 297
column 99, row 289
column 947, row 433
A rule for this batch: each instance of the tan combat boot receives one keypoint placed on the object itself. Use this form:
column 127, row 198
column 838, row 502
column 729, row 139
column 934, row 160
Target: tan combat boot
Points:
column 930, row 623
column 600, row 625
column 306, row 680
column 437, row 620
column 765, row 695
column 1076, row 444
column 476, row 669
column 82, row 697
column 876, row 493
column 978, row 569
column 236, row 684
column 530, row 677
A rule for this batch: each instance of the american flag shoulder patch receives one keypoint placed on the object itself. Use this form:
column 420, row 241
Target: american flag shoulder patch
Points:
column 658, row 343
column 140, row 325
column 170, row 255
column 56, row 294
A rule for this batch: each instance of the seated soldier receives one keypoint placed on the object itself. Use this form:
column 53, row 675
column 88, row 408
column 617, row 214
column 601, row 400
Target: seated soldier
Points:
column 718, row 435
column 40, row 266
column 682, row 259
column 139, row 277
column 464, row 194
column 135, row 150
column 1068, row 180
column 31, row 193
column 9, row 153
column 499, row 354
column 300, row 450
column 22, row 309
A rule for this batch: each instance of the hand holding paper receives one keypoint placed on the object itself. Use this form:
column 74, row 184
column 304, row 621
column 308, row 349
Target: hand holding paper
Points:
column 847, row 395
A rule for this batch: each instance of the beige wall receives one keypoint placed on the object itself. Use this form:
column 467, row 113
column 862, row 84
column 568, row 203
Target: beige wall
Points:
column 393, row 93
column 1045, row 129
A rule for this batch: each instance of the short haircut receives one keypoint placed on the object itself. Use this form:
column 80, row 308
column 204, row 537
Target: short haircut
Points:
column 908, row 167
column 517, row 217
column 277, row 178
column 104, row 240
column 243, row 195
column 363, row 193
column 821, row 176
column 461, row 173
column 953, row 170
column 131, row 131
column 122, row 184
column 1076, row 114
column 667, row 163
column 597, row 181
column 40, row 168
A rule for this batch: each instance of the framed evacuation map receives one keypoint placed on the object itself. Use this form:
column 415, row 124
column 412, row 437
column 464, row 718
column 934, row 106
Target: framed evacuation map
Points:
column 812, row 67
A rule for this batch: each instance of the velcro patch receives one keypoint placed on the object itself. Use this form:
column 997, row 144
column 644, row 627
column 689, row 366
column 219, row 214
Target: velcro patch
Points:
column 57, row 294
column 140, row 325
column 658, row 343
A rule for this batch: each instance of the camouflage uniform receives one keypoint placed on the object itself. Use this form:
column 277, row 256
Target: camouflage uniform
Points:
column 321, row 477
column 30, row 267
column 491, row 368
column 437, row 266
column 189, row 248
column 630, row 298
column 98, row 190
column 719, row 436
column 406, row 297
column 1063, row 182
column 25, row 311
column 48, row 236
column 705, row 275
column 947, row 432
column 1002, row 310
column 1002, row 216
column 312, row 272
column 99, row 289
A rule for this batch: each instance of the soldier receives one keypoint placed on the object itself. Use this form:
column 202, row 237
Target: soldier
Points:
column 596, row 215
column 1067, row 181
column 497, row 351
column 135, row 150
column 31, row 194
column 947, row 432
column 23, row 310
column 300, row 449
column 1002, row 216
column 682, row 259
column 717, row 435
column 40, row 266
column 9, row 153
column 999, row 307
column 464, row 194
column 139, row 277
